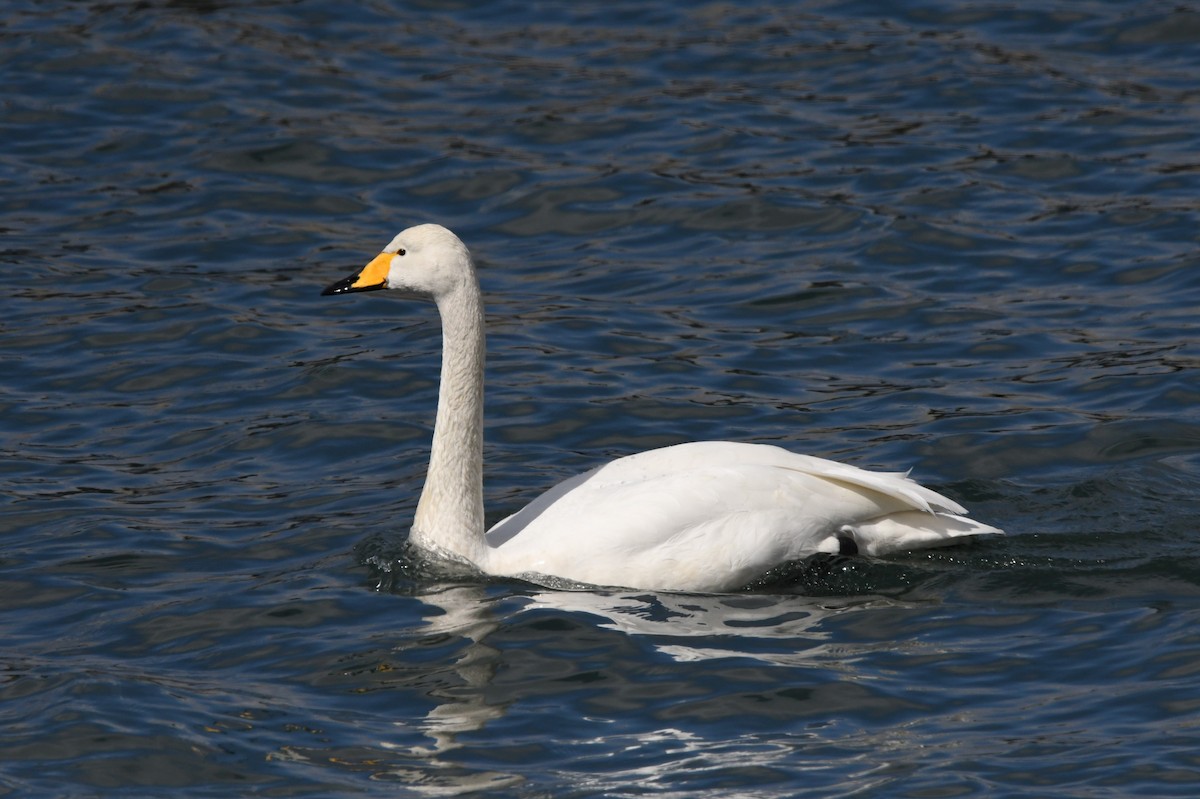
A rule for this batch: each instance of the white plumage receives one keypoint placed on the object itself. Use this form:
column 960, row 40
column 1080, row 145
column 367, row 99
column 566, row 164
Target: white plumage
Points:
column 705, row 516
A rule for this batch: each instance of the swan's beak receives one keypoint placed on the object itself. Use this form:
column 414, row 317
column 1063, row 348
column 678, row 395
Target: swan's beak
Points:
column 372, row 276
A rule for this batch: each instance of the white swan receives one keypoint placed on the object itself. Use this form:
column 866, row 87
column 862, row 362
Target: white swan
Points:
column 706, row 516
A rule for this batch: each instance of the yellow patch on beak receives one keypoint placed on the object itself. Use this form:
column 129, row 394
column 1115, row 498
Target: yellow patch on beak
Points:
column 372, row 276
column 375, row 273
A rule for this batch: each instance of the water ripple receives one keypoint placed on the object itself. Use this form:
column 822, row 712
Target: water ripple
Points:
column 953, row 237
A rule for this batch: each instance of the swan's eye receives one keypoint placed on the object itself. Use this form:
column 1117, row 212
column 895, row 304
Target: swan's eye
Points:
column 400, row 251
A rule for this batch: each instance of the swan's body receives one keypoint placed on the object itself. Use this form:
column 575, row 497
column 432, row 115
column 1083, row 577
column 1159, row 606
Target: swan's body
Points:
column 707, row 516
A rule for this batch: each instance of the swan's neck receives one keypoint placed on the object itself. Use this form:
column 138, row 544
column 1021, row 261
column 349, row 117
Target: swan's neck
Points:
column 449, row 518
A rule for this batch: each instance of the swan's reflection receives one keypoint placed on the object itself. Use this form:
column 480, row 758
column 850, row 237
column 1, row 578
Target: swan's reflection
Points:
column 691, row 628
column 776, row 630
column 460, row 610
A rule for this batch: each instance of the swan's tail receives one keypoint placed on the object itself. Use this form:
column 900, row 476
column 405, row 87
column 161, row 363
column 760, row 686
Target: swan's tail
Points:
column 909, row 530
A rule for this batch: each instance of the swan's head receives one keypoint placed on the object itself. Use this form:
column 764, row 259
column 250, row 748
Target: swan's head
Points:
column 426, row 259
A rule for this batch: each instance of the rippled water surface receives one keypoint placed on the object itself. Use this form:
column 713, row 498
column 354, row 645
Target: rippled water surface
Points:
column 956, row 237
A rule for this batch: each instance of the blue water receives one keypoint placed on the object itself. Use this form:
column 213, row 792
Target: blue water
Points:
column 960, row 238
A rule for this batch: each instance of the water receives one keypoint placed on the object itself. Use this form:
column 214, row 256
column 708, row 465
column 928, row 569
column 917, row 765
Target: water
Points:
column 956, row 237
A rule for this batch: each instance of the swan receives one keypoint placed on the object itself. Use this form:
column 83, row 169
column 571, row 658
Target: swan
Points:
column 707, row 516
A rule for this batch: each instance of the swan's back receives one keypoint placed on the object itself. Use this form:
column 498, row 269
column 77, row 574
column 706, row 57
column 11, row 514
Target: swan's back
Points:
column 711, row 516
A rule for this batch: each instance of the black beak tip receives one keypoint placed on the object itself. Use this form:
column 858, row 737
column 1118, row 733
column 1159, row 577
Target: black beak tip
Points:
column 340, row 287
column 346, row 285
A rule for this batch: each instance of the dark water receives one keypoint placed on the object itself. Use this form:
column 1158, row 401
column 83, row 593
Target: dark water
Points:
column 957, row 237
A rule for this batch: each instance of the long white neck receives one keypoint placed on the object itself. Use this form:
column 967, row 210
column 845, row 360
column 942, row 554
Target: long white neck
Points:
column 449, row 518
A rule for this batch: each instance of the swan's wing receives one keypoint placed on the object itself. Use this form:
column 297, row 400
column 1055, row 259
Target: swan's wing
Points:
column 894, row 484
column 708, row 528
column 683, row 458
column 702, row 516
